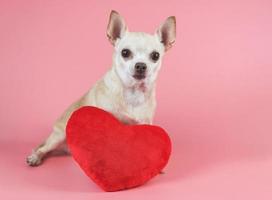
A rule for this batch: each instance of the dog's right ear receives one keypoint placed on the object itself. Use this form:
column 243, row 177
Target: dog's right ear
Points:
column 116, row 27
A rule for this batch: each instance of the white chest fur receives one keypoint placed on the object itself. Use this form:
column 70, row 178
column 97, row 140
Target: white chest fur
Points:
column 139, row 104
column 134, row 96
column 131, row 104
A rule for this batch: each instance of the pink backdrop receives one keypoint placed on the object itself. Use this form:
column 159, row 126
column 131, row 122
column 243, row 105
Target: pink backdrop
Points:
column 214, row 94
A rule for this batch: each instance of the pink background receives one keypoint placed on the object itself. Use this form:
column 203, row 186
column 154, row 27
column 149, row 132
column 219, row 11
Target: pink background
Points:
column 214, row 94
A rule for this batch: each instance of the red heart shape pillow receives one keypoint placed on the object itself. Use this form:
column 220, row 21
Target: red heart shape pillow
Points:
column 116, row 156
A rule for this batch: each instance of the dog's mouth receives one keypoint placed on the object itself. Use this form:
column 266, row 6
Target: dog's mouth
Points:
column 139, row 76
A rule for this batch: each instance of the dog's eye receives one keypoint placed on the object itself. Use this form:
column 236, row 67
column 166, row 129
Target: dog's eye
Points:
column 126, row 53
column 155, row 56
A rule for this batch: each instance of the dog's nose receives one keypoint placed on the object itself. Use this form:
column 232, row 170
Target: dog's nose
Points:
column 140, row 67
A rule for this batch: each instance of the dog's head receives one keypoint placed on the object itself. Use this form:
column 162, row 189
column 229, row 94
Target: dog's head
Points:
column 137, row 56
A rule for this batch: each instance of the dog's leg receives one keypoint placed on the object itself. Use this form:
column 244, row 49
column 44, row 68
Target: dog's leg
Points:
column 56, row 138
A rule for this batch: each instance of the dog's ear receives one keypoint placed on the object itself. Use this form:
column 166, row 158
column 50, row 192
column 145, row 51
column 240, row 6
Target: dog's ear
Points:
column 167, row 32
column 116, row 27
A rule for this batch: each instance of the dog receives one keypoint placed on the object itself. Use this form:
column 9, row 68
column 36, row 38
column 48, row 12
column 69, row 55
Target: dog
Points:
column 127, row 90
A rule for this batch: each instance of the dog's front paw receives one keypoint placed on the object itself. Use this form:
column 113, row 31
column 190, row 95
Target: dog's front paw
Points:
column 34, row 159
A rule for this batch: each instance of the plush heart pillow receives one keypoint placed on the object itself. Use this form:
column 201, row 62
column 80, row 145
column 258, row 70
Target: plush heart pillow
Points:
column 116, row 156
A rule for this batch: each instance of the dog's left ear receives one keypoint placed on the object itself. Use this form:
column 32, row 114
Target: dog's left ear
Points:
column 116, row 27
column 167, row 32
